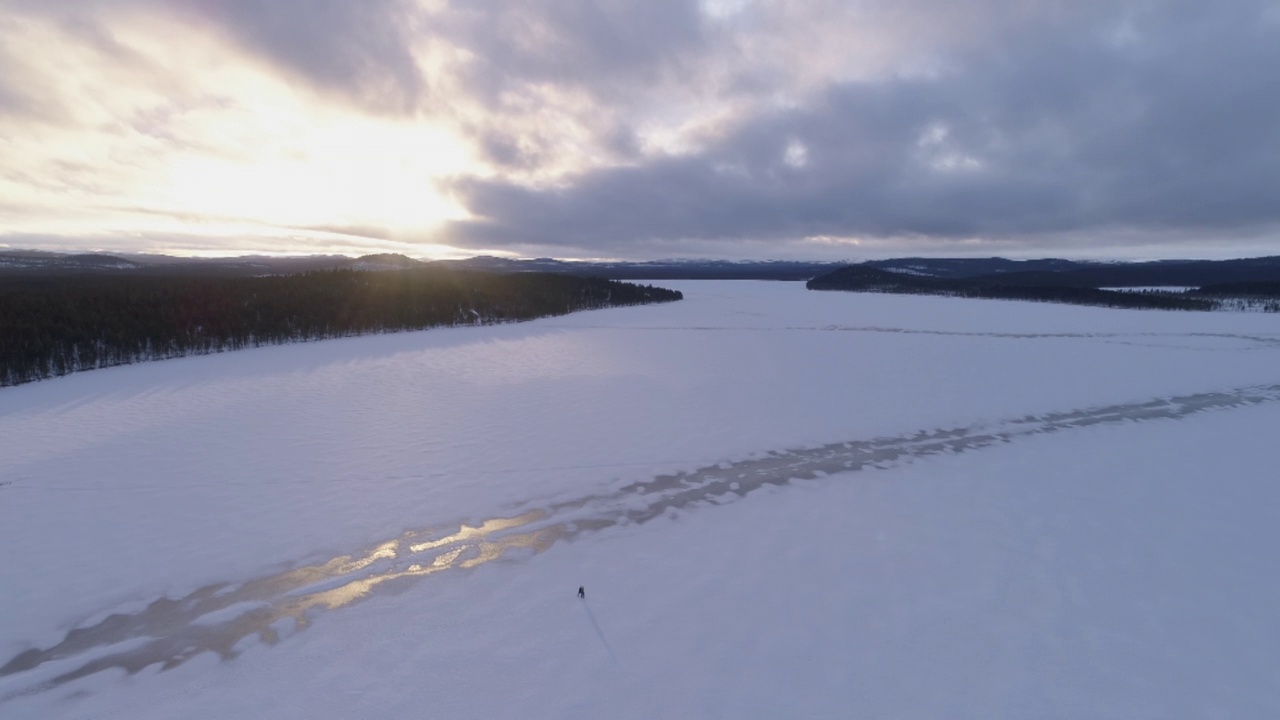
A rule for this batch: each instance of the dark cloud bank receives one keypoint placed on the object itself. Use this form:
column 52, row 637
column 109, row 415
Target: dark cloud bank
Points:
column 1162, row 121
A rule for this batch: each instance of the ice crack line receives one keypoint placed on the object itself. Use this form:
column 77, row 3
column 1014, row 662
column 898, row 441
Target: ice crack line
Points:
column 224, row 618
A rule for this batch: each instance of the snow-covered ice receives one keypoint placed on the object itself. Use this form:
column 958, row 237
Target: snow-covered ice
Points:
column 782, row 503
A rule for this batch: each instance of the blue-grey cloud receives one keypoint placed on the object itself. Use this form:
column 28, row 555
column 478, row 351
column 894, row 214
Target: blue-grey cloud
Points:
column 1150, row 117
column 602, row 45
column 362, row 49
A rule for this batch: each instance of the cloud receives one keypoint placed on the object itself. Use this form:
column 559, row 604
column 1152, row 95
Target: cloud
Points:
column 614, row 127
column 1148, row 117
column 362, row 49
column 604, row 46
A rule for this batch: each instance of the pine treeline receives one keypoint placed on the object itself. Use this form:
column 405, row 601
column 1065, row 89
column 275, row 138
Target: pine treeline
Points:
column 860, row 278
column 52, row 326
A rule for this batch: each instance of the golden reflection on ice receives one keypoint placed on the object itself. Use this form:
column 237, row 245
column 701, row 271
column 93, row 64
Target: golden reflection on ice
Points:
column 538, row 541
column 488, row 527
column 296, row 594
column 465, row 556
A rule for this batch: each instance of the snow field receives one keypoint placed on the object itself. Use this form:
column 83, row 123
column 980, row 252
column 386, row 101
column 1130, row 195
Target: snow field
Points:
column 1105, row 572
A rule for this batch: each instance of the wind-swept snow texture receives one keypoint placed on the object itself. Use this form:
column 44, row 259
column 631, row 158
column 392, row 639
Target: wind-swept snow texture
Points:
column 781, row 503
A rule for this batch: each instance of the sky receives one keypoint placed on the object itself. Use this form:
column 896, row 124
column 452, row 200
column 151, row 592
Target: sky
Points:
column 741, row 129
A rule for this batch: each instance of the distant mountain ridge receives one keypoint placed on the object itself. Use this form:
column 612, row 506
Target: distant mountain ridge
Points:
column 1045, row 272
column 385, row 262
column 25, row 263
column 84, row 262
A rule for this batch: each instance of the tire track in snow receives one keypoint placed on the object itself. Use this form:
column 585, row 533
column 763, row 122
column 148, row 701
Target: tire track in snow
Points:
column 225, row 618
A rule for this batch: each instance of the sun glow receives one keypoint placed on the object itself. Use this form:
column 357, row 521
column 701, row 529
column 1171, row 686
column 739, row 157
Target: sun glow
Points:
column 340, row 173
column 200, row 140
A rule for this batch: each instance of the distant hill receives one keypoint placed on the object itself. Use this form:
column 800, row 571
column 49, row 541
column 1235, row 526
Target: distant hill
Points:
column 28, row 263
column 384, row 262
column 34, row 261
column 656, row 269
column 1046, row 272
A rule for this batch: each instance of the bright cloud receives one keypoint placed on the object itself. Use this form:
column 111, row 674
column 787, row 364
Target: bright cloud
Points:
column 144, row 135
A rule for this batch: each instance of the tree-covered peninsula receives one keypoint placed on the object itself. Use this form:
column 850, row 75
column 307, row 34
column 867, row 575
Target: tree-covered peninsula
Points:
column 52, row 326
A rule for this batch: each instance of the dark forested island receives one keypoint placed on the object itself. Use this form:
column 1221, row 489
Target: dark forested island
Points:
column 1048, row 285
column 1088, row 273
column 52, row 325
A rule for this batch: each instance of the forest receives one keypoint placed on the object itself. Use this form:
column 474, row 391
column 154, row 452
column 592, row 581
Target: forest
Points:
column 861, row 278
column 53, row 326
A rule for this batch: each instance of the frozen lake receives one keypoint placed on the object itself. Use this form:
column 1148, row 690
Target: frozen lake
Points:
column 780, row 502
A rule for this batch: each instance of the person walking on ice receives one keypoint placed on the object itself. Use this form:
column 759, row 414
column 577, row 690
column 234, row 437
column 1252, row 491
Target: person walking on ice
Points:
column 582, row 592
